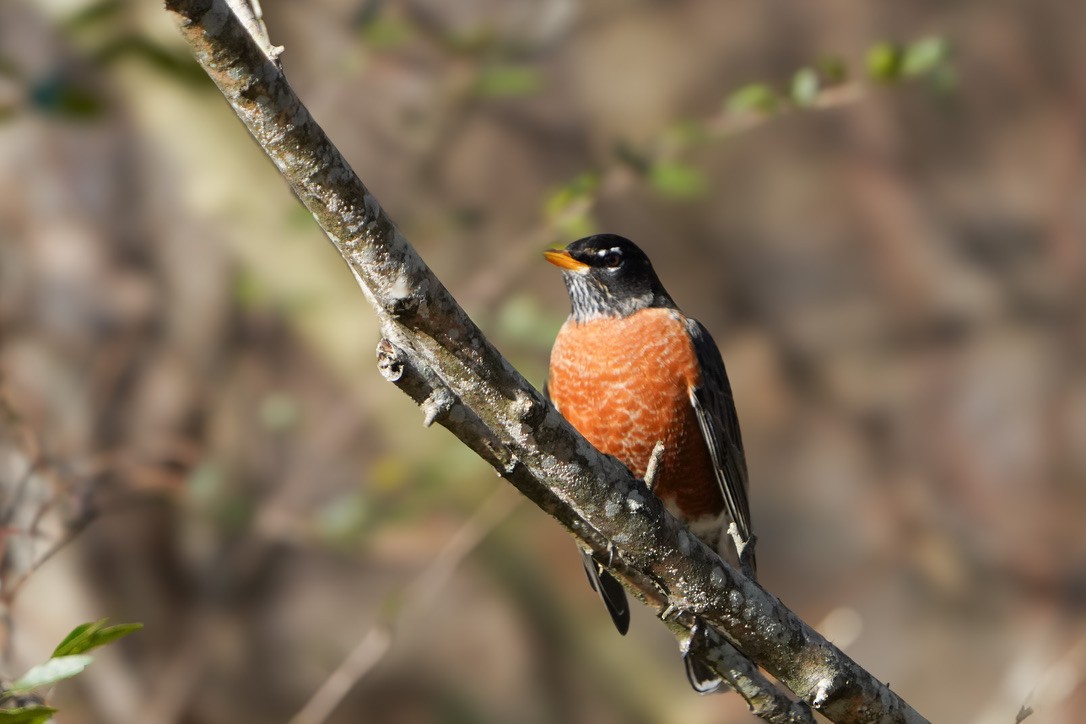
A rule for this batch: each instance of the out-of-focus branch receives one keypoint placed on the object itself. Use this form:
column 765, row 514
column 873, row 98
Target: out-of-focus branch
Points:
column 478, row 395
column 39, row 512
column 372, row 647
column 615, row 174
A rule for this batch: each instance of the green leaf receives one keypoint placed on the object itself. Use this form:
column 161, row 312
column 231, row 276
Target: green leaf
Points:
column 91, row 635
column 924, row 56
column 884, row 62
column 805, row 87
column 754, row 97
column 52, row 671
column 678, row 180
column 109, row 634
column 505, row 81
column 77, row 635
column 37, row 714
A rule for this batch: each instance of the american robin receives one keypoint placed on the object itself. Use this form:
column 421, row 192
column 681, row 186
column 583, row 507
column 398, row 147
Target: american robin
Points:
column 630, row 371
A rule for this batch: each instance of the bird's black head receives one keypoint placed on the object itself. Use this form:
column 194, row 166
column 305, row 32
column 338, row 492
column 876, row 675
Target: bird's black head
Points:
column 608, row 276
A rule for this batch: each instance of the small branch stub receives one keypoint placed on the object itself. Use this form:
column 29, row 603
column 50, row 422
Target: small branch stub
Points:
column 528, row 408
column 437, row 405
column 654, row 464
column 392, row 362
column 389, row 360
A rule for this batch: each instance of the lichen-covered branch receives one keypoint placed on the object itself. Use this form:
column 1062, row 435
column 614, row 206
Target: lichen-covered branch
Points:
column 462, row 382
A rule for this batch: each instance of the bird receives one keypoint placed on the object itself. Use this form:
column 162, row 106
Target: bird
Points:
column 646, row 384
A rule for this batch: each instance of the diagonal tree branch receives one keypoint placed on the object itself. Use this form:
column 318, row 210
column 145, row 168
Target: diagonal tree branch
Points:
column 436, row 354
column 426, row 389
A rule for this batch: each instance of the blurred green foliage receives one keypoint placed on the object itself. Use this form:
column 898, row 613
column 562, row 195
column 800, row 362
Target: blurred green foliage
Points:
column 505, row 81
column 65, row 96
column 344, row 520
column 805, row 87
column 208, row 489
column 927, row 57
column 176, row 65
column 757, row 97
column 91, row 15
column 884, row 61
column 569, row 209
column 100, row 29
column 385, row 32
column 678, row 180
column 522, row 319
column 279, row 412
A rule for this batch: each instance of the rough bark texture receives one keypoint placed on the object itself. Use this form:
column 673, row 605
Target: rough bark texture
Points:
column 439, row 357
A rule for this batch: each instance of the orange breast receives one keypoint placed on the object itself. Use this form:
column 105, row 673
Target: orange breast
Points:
column 625, row 384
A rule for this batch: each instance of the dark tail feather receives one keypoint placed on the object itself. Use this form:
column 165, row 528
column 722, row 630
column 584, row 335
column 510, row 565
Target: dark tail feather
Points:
column 703, row 679
column 611, row 593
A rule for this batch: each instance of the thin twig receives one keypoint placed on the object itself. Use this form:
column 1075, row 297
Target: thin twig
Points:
column 507, row 266
column 363, row 657
column 37, row 468
column 416, row 596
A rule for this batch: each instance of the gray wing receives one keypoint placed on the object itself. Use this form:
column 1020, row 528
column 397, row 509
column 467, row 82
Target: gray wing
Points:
column 719, row 423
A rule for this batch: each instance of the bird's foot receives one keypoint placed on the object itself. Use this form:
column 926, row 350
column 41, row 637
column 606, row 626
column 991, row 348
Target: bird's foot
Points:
column 745, row 548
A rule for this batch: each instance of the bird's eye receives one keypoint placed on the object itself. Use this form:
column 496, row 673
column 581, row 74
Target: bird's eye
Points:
column 611, row 259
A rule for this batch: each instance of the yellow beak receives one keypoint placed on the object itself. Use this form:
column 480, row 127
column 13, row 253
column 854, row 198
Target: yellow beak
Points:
column 564, row 260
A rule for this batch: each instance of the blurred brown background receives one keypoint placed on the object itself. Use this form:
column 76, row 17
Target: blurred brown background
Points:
column 897, row 285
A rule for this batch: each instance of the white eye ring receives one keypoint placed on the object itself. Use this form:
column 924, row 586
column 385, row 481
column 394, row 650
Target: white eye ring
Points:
column 610, row 258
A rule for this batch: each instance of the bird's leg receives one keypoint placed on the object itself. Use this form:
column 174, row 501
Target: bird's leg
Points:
column 696, row 631
column 654, row 464
column 669, row 611
column 745, row 548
